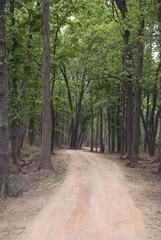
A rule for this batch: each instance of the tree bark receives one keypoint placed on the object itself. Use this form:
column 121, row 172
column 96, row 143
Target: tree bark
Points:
column 127, row 67
column 123, row 126
column 14, row 126
column 129, row 112
column 45, row 162
column 138, row 100
column 21, row 125
column 4, row 138
column 20, row 130
column 119, row 128
column 147, row 123
column 111, row 127
column 101, row 131
column 92, row 128
column 97, row 133
column 75, row 122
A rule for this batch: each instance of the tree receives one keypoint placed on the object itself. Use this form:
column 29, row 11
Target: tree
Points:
column 138, row 90
column 46, row 110
column 4, row 137
column 127, row 69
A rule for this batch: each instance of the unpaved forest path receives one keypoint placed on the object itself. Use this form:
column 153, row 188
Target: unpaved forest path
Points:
column 91, row 204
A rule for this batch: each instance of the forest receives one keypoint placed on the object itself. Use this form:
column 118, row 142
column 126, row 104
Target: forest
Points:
column 79, row 73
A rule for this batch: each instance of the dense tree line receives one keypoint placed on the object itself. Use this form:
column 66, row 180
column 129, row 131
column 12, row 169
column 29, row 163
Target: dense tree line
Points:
column 94, row 67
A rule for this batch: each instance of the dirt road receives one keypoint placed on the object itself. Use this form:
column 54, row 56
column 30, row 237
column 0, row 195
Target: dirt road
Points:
column 91, row 204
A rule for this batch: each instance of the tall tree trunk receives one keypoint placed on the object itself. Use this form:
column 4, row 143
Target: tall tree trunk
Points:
column 20, row 132
column 147, row 123
column 129, row 112
column 119, row 128
column 127, row 64
column 21, row 125
column 101, row 131
column 153, row 127
column 138, row 94
column 53, row 127
column 71, row 132
column 78, row 115
column 123, row 126
column 31, row 127
column 4, row 138
column 151, row 142
column 159, row 19
column 97, row 133
column 92, row 128
column 14, row 127
column 45, row 162
column 111, row 130
column 159, row 154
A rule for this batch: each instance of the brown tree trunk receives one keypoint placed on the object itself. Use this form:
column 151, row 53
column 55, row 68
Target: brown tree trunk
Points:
column 31, row 130
column 45, row 162
column 21, row 125
column 151, row 142
column 111, row 130
column 159, row 19
column 71, row 132
column 153, row 127
column 31, row 126
column 147, row 123
column 129, row 112
column 137, row 99
column 123, row 126
column 75, row 122
column 92, row 128
column 159, row 158
column 119, row 127
column 101, row 130
column 4, row 138
column 97, row 133
column 14, row 127
column 20, row 130
column 159, row 154
column 127, row 64
column 53, row 127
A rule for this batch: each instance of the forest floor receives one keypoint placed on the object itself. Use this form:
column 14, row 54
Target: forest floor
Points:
column 37, row 186
column 100, row 198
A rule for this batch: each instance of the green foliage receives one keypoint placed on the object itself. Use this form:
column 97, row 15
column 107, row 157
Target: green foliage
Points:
column 86, row 40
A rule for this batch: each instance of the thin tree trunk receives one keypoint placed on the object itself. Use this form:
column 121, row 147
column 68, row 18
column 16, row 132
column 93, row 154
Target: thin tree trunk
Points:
column 97, row 133
column 159, row 154
column 129, row 130
column 31, row 130
column 147, row 123
column 21, row 125
column 127, row 64
column 14, row 127
column 122, row 125
column 119, row 127
column 92, row 128
column 113, row 131
column 45, row 162
column 111, row 128
column 109, row 131
column 53, row 128
column 101, row 131
column 138, row 101
column 151, row 142
column 4, row 137
column 78, row 115
column 153, row 127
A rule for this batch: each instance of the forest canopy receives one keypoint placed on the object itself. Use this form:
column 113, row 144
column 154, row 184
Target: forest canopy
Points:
column 102, row 70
